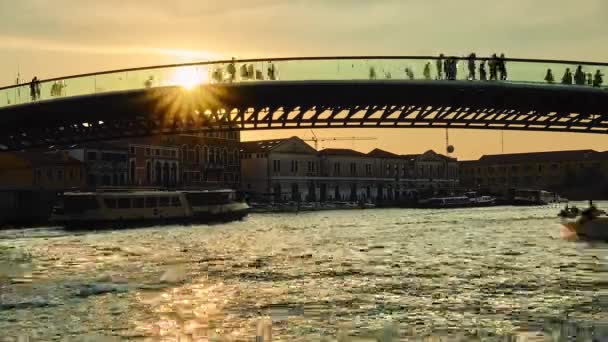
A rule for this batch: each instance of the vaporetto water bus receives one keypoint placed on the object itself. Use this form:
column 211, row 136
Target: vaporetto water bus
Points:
column 84, row 210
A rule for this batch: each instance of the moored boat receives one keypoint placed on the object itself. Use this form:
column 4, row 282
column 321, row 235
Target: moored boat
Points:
column 136, row 208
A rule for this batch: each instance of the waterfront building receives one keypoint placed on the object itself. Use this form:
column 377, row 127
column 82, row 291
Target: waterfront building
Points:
column 56, row 171
column 566, row 172
column 153, row 165
column 291, row 170
column 105, row 164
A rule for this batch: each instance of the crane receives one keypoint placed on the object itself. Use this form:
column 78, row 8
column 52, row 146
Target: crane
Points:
column 316, row 140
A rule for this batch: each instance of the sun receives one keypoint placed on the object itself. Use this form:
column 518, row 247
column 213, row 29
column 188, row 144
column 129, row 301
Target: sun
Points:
column 189, row 77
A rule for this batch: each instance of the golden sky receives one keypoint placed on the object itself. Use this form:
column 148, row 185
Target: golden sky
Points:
column 62, row 37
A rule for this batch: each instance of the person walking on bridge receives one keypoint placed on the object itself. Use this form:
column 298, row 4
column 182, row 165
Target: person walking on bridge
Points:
column 482, row 71
column 35, row 89
column 472, row 58
column 579, row 76
column 493, row 66
column 567, row 78
column 440, row 67
column 427, row 71
column 549, row 77
column 598, row 79
column 502, row 67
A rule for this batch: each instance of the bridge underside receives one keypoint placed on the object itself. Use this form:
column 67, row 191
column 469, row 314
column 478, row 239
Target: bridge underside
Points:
column 304, row 104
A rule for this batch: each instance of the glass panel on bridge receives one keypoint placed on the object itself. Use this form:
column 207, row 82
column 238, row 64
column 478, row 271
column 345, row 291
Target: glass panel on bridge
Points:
column 519, row 71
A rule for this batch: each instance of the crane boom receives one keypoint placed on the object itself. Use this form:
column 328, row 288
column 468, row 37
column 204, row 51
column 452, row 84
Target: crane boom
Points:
column 316, row 140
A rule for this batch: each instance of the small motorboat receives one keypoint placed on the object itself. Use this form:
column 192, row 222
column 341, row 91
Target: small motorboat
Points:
column 590, row 224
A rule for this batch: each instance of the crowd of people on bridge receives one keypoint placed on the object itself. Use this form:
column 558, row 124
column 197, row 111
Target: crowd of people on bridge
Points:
column 447, row 68
column 245, row 72
column 580, row 77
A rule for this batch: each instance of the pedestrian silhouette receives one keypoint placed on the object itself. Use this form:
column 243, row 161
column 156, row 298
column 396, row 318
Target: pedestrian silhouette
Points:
column 567, row 78
column 502, row 67
column 427, row 71
column 482, row 71
column 472, row 58
column 579, row 76
column 372, row 73
column 148, row 83
column 493, row 66
column 231, row 69
column 440, row 67
column 272, row 72
column 446, row 68
column 549, row 77
column 409, row 73
column 598, row 78
column 33, row 86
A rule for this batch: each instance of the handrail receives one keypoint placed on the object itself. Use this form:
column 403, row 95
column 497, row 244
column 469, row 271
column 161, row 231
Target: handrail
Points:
column 311, row 58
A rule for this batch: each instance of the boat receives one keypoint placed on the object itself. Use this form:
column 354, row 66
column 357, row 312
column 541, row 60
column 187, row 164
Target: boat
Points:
column 590, row 224
column 480, row 201
column 84, row 210
column 469, row 200
column 445, row 202
column 525, row 197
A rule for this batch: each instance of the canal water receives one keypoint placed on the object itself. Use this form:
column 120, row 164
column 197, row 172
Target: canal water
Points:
column 360, row 275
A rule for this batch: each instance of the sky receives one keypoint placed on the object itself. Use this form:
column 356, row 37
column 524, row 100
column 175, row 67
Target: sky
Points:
column 65, row 37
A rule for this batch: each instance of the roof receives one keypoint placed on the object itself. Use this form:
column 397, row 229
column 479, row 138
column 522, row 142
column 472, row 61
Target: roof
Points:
column 260, row 145
column 341, row 152
column 101, row 145
column 551, row 156
column 51, row 158
column 378, row 153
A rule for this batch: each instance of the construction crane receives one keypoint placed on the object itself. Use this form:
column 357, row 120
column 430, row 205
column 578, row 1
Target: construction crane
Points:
column 316, row 140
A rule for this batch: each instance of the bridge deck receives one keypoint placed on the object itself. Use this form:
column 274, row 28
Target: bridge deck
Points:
column 304, row 104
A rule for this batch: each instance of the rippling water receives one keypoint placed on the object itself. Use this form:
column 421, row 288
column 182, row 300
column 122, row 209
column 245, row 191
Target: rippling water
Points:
column 360, row 275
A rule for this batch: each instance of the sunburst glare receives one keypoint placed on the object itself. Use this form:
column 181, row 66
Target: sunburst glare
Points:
column 189, row 77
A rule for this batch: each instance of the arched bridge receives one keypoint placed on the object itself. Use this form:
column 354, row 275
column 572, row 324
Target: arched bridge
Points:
column 300, row 93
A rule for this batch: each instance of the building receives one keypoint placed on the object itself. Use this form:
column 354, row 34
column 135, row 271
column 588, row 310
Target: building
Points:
column 55, row 171
column 291, row 170
column 153, row 165
column 279, row 170
column 105, row 164
column 561, row 171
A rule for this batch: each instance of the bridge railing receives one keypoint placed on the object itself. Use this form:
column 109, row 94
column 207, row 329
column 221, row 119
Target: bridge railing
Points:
column 293, row 69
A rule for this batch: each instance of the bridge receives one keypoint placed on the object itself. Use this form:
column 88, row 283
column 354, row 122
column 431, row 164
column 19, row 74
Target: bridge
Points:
column 292, row 93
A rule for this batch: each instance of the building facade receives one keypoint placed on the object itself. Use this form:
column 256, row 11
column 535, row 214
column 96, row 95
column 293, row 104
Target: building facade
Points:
column 561, row 171
column 291, row 170
column 152, row 165
column 56, row 171
column 104, row 164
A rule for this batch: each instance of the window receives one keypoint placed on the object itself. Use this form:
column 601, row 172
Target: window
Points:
column 388, row 169
column 294, row 166
column 368, row 169
column 92, row 155
column 124, row 203
column 336, row 169
column 157, row 152
column 311, row 166
column 151, row 202
column 163, row 201
column 79, row 204
column 138, row 203
column 132, row 150
column 353, row 169
column 147, row 151
column 110, row 203
column 276, row 166
column 175, row 202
